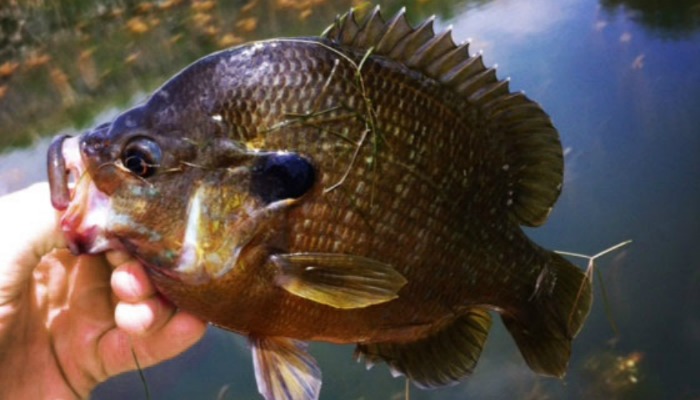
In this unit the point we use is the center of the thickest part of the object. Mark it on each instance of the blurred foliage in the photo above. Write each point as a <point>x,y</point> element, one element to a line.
<point>64,61</point>
<point>666,18</point>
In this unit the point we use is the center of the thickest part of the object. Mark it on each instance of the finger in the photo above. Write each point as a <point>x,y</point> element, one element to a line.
<point>143,317</point>
<point>130,282</point>
<point>118,257</point>
<point>178,334</point>
<point>87,286</point>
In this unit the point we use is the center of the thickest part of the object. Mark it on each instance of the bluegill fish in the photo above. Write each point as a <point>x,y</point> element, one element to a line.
<point>366,186</point>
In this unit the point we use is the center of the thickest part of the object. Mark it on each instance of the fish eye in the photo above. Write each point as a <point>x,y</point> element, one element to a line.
<point>142,157</point>
<point>282,176</point>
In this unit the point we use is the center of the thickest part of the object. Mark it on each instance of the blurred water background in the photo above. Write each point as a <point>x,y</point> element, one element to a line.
<point>620,78</point>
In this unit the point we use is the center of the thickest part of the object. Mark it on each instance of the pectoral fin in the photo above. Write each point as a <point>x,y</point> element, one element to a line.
<point>284,370</point>
<point>338,280</point>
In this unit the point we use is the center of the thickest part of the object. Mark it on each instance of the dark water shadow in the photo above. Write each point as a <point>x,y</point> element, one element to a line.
<point>673,19</point>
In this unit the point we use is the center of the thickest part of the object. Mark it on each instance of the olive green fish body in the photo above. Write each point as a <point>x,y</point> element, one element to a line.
<point>427,184</point>
<point>363,187</point>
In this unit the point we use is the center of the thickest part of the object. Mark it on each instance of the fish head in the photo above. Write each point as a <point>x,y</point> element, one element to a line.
<point>173,192</point>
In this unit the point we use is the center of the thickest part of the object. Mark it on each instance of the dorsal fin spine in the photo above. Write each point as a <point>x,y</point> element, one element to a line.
<point>348,27</point>
<point>463,71</point>
<point>434,48</point>
<point>397,28</point>
<point>477,81</point>
<point>448,61</point>
<point>492,92</point>
<point>411,42</point>
<point>371,30</point>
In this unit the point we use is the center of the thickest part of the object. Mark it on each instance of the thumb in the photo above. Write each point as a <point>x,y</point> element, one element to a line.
<point>29,230</point>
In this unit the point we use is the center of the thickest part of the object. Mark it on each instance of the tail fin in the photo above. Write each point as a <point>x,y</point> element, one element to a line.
<point>556,312</point>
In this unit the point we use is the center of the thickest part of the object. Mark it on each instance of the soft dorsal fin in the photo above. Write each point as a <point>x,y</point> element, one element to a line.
<point>533,150</point>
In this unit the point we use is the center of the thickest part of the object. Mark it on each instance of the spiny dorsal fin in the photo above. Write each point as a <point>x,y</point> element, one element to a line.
<point>535,162</point>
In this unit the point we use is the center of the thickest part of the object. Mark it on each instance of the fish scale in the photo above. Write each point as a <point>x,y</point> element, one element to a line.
<point>394,118</point>
<point>367,186</point>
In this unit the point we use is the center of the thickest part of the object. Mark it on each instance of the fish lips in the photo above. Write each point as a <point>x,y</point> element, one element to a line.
<point>84,208</point>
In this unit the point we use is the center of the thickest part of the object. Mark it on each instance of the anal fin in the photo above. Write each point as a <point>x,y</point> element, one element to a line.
<point>284,370</point>
<point>443,358</point>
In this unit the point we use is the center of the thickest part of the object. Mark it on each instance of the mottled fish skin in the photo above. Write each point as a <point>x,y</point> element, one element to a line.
<point>424,162</point>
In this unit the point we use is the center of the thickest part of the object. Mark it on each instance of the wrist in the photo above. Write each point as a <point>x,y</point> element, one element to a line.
<point>30,370</point>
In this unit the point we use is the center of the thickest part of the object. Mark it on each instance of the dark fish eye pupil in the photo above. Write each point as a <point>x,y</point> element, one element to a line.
<point>137,164</point>
<point>142,157</point>
<point>282,176</point>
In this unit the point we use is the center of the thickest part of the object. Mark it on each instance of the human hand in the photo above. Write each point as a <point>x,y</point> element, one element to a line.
<point>69,322</point>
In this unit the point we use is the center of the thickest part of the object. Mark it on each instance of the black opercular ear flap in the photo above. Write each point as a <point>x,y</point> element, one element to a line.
<point>278,176</point>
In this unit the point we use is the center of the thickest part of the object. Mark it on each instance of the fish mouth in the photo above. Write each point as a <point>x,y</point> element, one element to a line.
<point>58,177</point>
<point>83,206</point>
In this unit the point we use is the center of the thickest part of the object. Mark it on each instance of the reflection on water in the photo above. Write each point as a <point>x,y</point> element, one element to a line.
<point>676,18</point>
<point>623,95</point>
